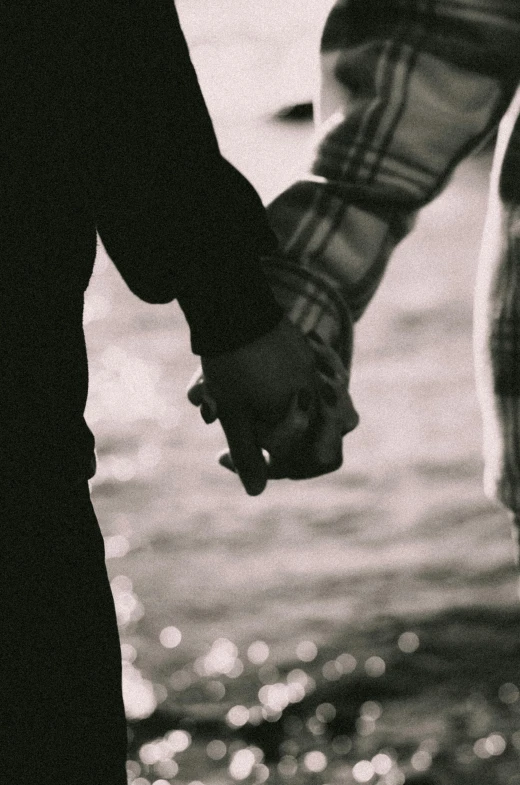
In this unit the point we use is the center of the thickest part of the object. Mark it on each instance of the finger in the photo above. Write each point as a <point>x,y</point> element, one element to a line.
<point>287,436</point>
<point>245,452</point>
<point>276,469</point>
<point>224,460</point>
<point>199,395</point>
<point>320,448</point>
<point>305,468</point>
<point>327,440</point>
<point>208,414</point>
<point>328,446</point>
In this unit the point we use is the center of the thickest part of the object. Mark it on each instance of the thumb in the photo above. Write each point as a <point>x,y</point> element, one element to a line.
<point>287,435</point>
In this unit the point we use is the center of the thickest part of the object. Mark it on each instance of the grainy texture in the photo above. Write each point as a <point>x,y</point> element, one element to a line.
<point>349,561</point>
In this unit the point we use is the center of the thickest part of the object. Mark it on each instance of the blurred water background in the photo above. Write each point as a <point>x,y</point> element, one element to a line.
<point>357,628</point>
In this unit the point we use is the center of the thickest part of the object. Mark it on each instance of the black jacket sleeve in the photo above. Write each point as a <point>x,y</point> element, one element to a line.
<point>175,217</point>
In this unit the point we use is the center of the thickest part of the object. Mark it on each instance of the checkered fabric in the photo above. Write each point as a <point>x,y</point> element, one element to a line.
<point>409,89</point>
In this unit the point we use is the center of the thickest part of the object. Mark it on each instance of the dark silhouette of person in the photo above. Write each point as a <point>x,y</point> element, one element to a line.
<point>103,129</point>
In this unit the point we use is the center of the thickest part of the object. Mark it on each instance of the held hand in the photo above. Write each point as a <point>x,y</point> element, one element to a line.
<point>319,449</point>
<point>252,389</point>
<point>302,444</point>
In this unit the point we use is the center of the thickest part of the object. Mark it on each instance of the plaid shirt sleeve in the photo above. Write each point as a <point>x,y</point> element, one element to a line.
<point>409,88</point>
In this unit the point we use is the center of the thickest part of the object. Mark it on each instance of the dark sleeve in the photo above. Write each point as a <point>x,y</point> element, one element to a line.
<point>175,217</point>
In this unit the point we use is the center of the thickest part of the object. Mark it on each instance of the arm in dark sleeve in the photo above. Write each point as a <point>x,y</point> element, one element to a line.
<point>175,217</point>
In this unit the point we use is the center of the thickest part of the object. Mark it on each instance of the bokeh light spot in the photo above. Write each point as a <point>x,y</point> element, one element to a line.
<point>508,693</point>
<point>495,744</point>
<point>288,766</point>
<point>216,750</point>
<point>242,764</point>
<point>270,715</point>
<point>382,763</point>
<point>316,727</point>
<point>363,771</point>
<point>166,750</point>
<point>138,693</point>
<point>133,769</point>
<point>395,777</point>
<point>365,726</point>
<point>290,747</point>
<point>430,744</point>
<point>170,637</point>
<point>375,667</point>
<point>128,652</point>
<point>167,769</point>
<point>347,661</point>
<point>298,676</point>
<point>274,696</point>
<point>306,651</point>
<point>258,652</point>
<point>199,666</point>
<point>480,749</point>
<point>237,716</point>
<point>150,753</point>
<point>371,710</point>
<point>121,583</point>
<point>128,608</point>
<point>179,739</point>
<point>326,712</point>
<point>215,690</point>
<point>408,642</point>
<point>421,760</point>
<point>237,670</point>
<point>315,761</point>
<point>295,692</point>
<point>160,692</point>
<point>221,658</point>
<point>258,753</point>
<point>332,670</point>
<point>261,772</point>
<point>116,546</point>
<point>256,715</point>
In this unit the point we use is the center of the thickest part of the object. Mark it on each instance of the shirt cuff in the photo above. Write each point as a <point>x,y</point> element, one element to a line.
<point>233,306</point>
<point>312,301</point>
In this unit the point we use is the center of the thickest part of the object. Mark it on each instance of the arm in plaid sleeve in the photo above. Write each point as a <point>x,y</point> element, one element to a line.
<point>409,88</point>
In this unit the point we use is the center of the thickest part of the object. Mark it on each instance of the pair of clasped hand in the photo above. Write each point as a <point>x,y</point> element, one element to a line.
<point>283,405</point>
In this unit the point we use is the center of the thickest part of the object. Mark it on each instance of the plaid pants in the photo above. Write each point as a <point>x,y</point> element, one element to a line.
<point>409,89</point>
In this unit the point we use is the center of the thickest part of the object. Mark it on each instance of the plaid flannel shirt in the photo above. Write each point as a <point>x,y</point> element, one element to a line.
<point>410,88</point>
